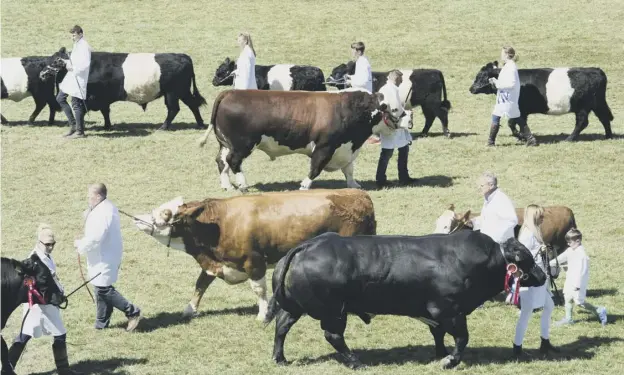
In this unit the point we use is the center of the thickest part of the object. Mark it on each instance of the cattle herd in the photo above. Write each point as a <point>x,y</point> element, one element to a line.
<point>329,260</point>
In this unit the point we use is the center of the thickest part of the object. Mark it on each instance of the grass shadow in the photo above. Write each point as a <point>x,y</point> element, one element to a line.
<point>169,319</point>
<point>583,348</point>
<point>125,129</point>
<point>44,124</point>
<point>101,367</point>
<point>602,292</point>
<point>583,137</point>
<point>417,135</point>
<point>431,181</point>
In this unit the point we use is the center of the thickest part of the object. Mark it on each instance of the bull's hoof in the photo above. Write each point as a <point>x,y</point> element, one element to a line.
<point>354,363</point>
<point>304,188</point>
<point>280,361</point>
<point>200,126</point>
<point>164,127</point>
<point>570,139</point>
<point>108,127</point>
<point>189,312</point>
<point>448,362</point>
<point>447,135</point>
<point>243,189</point>
<point>354,185</point>
<point>441,354</point>
<point>31,122</point>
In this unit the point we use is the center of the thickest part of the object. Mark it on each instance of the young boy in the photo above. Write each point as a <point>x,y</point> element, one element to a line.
<point>577,277</point>
<point>400,138</point>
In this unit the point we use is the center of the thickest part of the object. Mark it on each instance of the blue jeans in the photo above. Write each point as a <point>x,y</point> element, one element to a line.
<point>107,298</point>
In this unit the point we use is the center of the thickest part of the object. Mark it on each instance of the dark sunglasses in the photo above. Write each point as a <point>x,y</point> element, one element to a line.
<point>48,244</point>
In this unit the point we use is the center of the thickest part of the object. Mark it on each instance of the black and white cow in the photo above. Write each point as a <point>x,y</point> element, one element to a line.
<point>20,79</point>
<point>140,78</point>
<point>425,88</point>
<point>284,77</point>
<point>556,91</point>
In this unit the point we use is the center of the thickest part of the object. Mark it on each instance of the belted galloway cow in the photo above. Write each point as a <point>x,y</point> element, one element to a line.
<point>328,127</point>
<point>425,88</point>
<point>283,77</point>
<point>137,77</point>
<point>237,238</point>
<point>17,277</point>
<point>438,279</point>
<point>555,91</point>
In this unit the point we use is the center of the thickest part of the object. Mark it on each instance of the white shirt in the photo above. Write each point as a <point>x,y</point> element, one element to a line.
<point>577,275</point>
<point>498,217</point>
<point>400,137</point>
<point>508,86</point>
<point>245,78</point>
<point>363,77</point>
<point>102,243</point>
<point>75,81</point>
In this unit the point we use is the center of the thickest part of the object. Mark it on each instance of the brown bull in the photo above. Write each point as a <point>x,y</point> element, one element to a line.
<point>237,238</point>
<point>558,220</point>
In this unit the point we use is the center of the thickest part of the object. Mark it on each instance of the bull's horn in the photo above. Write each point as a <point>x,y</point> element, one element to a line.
<point>204,139</point>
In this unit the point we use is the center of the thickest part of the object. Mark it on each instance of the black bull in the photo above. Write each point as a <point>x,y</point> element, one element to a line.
<point>438,279</point>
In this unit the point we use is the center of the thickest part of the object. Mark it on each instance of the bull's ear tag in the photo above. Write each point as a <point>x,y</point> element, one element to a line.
<point>512,268</point>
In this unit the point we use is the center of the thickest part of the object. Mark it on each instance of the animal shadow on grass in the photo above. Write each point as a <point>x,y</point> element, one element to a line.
<point>424,354</point>
<point>417,135</point>
<point>601,292</point>
<point>433,181</point>
<point>169,319</point>
<point>44,124</point>
<point>101,367</point>
<point>583,137</point>
<point>136,129</point>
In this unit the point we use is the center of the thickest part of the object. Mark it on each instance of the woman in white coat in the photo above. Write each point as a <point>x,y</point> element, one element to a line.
<point>75,83</point>
<point>531,237</point>
<point>245,74</point>
<point>44,319</point>
<point>507,96</point>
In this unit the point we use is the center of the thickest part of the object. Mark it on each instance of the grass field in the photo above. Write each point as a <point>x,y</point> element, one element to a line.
<point>44,177</point>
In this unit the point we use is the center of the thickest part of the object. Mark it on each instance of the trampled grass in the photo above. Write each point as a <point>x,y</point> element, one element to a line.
<point>44,177</point>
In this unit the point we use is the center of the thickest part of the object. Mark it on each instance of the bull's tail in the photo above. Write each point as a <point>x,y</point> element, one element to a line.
<point>213,118</point>
<point>274,306</point>
<point>602,106</point>
<point>446,105</point>
<point>199,100</point>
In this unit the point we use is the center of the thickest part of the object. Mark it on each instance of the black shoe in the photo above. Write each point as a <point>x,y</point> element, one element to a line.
<point>493,132</point>
<point>59,349</point>
<point>546,347</point>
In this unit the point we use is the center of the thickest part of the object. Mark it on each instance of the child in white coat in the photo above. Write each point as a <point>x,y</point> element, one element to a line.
<point>245,75</point>
<point>507,97</point>
<point>577,278</point>
<point>531,237</point>
<point>44,319</point>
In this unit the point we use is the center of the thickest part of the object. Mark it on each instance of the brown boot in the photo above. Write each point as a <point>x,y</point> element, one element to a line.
<point>493,132</point>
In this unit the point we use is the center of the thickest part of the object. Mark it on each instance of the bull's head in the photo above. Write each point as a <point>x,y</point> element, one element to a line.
<point>530,273</point>
<point>223,76</point>
<point>159,223</point>
<point>45,284</point>
<point>481,84</point>
<point>394,117</point>
<point>337,76</point>
<point>55,66</point>
<point>450,221</point>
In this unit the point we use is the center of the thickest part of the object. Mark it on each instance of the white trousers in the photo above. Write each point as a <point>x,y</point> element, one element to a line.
<point>527,301</point>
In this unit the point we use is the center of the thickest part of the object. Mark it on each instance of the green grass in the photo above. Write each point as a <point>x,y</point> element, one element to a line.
<point>44,177</point>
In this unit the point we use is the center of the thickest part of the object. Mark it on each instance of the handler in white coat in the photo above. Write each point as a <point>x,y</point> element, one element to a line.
<point>103,246</point>
<point>245,74</point>
<point>44,319</point>
<point>75,83</point>
<point>507,96</point>
<point>498,216</point>
<point>399,138</point>
<point>532,297</point>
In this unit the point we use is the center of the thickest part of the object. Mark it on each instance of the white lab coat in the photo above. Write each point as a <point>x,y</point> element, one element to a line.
<point>75,81</point>
<point>498,217</point>
<point>508,86</point>
<point>44,319</point>
<point>399,137</point>
<point>363,77</point>
<point>538,293</point>
<point>245,76</point>
<point>102,243</point>
<point>577,275</point>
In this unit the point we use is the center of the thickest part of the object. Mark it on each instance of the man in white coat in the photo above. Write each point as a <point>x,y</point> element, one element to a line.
<point>44,319</point>
<point>507,96</point>
<point>245,74</point>
<point>102,244</point>
<point>498,216</point>
<point>75,83</point>
<point>399,138</point>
